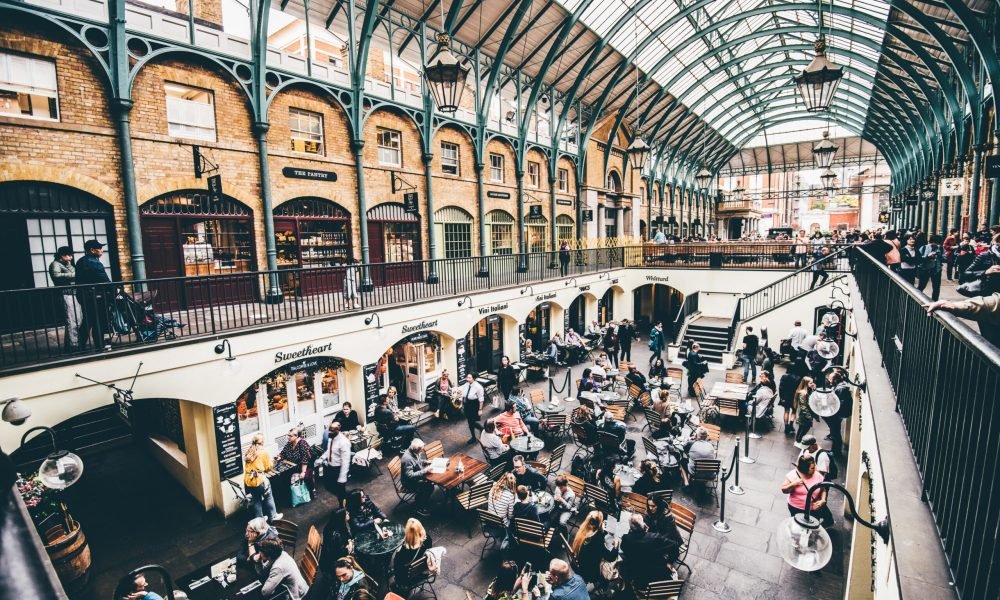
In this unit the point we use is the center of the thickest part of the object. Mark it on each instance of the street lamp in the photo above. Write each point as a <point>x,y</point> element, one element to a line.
<point>828,177</point>
<point>818,82</point>
<point>703,178</point>
<point>805,545</point>
<point>638,153</point>
<point>446,76</point>
<point>824,151</point>
<point>231,366</point>
<point>61,468</point>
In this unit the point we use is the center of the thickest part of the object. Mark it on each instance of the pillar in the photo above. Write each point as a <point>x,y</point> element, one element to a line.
<point>273,294</point>
<point>957,218</point>
<point>432,265</point>
<point>479,166</point>
<point>511,341</point>
<point>553,247</point>
<point>358,147</point>
<point>977,164</point>
<point>122,109</point>
<point>522,261</point>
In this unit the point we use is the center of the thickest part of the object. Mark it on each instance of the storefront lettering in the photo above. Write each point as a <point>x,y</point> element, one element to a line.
<point>307,351</point>
<point>656,278</point>
<point>541,297</point>
<point>420,326</point>
<point>584,288</point>
<point>492,309</point>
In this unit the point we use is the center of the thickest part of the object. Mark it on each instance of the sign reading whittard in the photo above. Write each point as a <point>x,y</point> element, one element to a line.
<point>485,310</point>
<point>303,352</point>
<point>656,278</point>
<point>420,326</point>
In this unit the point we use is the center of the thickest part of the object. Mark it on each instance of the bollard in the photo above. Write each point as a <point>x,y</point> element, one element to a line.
<point>752,422</point>
<point>746,458</point>
<point>735,488</point>
<point>721,524</point>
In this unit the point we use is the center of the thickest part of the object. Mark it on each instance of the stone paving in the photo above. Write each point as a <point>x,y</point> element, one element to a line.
<point>134,513</point>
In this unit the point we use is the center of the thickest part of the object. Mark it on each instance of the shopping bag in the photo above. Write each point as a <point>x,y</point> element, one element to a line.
<point>300,493</point>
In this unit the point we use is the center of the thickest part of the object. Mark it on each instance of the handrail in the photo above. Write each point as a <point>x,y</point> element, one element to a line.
<point>808,268</point>
<point>688,308</point>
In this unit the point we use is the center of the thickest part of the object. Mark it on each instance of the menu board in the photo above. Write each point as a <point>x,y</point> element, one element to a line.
<point>566,321</point>
<point>371,388</point>
<point>227,440</point>
<point>520,336</point>
<point>460,358</point>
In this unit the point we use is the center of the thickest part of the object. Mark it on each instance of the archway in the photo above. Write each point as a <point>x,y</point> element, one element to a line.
<point>655,302</point>
<point>413,365</point>
<point>394,237</point>
<point>312,233</point>
<point>453,226</point>
<point>483,346</point>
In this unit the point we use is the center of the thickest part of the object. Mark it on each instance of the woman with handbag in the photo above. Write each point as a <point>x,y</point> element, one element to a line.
<point>595,562</point>
<point>298,452</point>
<point>796,486</point>
<point>257,461</point>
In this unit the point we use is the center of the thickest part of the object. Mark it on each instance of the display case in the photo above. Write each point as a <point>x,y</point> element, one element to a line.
<point>312,243</point>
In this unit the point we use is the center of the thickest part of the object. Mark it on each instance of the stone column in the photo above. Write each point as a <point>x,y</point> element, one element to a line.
<point>358,147</point>
<point>122,109</point>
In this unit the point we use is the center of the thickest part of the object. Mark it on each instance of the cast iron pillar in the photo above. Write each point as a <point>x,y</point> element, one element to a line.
<point>432,270</point>
<point>484,270</point>
<point>122,109</point>
<point>273,294</point>
<point>358,147</point>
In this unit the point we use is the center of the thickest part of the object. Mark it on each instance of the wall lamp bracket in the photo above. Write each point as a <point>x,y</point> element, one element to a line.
<point>570,282</point>
<point>376,318</point>
<point>525,290</point>
<point>463,301</point>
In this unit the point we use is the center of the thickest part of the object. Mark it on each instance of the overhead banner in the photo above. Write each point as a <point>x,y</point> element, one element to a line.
<point>953,186</point>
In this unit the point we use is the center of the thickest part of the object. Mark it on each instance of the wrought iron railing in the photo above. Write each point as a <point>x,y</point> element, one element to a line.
<point>718,255</point>
<point>945,378</point>
<point>688,308</point>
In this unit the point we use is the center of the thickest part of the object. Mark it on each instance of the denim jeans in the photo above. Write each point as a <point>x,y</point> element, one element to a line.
<point>262,498</point>
<point>749,364</point>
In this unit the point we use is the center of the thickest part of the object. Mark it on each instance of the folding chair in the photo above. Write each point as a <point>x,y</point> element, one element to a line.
<point>491,474</point>
<point>532,534</point>
<point>714,433</point>
<point>653,419</point>
<point>288,533</point>
<point>598,496</point>
<point>652,452</point>
<point>308,565</point>
<point>434,450</point>
<point>395,472</point>
<point>660,590</point>
<point>684,517</point>
<point>677,375</point>
<point>478,496</point>
<point>494,530</point>
<point>634,502</point>
<point>314,541</point>
<point>555,427</point>
<point>706,472</point>
<point>585,446</point>
<point>420,578</point>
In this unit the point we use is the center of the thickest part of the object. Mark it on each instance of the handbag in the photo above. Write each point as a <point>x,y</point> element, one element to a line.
<point>609,570</point>
<point>300,493</point>
<point>970,289</point>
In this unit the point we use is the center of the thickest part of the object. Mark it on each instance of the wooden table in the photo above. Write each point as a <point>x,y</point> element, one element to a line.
<point>730,391</point>
<point>213,590</point>
<point>450,480</point>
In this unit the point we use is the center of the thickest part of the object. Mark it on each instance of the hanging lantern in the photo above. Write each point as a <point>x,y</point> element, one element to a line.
<point>446,76</point>
<point>638,153</point>
<point>703,178</point>
<point>828,178</point>
<point>818,82</point>
<point>824,151</point>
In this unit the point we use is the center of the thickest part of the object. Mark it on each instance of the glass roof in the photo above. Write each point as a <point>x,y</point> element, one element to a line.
<point>716,69</point>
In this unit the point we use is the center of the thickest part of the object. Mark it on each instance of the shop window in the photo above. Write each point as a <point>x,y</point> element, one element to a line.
<point>330,388</point>
<point>390,145</point>
<point>400,240</point>
<point>28,87</point>
<point>246,408</point>
<point>564,229</point>
<point>496,167</point>
<point>307,131</point>
<point>457,240</point>
<point>534,174</point>
<point>537,237</point>
<point>501,232</point>
<point>190,112</point>
<point>45,236</point>
<point>449,158</point>
<point>563,179</point>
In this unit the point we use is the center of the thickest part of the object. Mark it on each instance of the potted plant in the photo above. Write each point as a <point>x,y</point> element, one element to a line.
<point>63,538</point>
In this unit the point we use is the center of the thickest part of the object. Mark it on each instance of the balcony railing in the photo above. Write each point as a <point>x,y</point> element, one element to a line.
<point>945,378</point>
<point>128,315</point>
<point>737,205</point>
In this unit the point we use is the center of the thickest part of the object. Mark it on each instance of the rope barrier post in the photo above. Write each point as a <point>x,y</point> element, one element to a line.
<point>746,458</point>
<point>753,423</point>
<point>735,488</point>
<point>721,524</point>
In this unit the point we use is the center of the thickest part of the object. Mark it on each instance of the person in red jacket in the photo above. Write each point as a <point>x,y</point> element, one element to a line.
<point>949,251</point>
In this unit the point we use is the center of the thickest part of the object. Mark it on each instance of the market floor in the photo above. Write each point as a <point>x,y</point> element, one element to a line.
<point>134,513</point>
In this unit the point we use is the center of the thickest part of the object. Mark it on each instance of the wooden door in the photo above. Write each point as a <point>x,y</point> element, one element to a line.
<point>161,245</point>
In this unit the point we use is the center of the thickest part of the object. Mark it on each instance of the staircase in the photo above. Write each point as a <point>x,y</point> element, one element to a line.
<point>712,334</point>
<point>86,434</point>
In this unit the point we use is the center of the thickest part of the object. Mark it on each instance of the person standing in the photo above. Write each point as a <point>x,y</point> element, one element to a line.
<point>910,260</point>
<point>611,343</point>
<point>949,251</point>
<point>892,257</point>
<point>819,267</point>
<point>90,272</point>
<point>338,460</point>
<point>965,253</point>
<point>256,463</point>
<point>930,267</point>
<point>351,285</point>
<point>696,367</point>
<point>801,249</point>
<point>473,395</point>
<point>803,412</point>
<point>795,338</point>
<point>63,274</point>
<point>506,377</point>
<point>751,345</point>
<point>298,452</point>
<point>797,483</point>
<point>563,258</point>
<point>656,342</point>
<point>626,333</point>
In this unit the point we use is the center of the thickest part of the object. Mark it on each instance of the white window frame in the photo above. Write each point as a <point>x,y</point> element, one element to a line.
<point>450,162</point>
<point>534,174</point>
<point>390,143</point>
<point>188,118</point>
<point>308,139</point>
<point>563,179</point>
<point>496,167</point>
<point>26,78</point>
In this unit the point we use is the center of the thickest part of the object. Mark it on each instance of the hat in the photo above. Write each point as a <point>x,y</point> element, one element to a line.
<point>808,440</point>
<point>64,251</point>
<point>91,244</point>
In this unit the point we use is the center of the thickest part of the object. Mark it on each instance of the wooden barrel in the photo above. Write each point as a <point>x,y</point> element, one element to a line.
<point>70,556</point>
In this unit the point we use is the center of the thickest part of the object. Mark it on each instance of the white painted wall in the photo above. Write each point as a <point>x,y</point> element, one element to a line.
<point>718,304</point>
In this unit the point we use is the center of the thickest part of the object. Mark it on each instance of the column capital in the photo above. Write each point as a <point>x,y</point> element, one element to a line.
<point>260,128</point>
<point>428,158</point>
<point>357,146</point>
<point>122,106</point>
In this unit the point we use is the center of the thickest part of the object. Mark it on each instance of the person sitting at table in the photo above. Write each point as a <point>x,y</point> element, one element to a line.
<point>140,590</point>
<point>649,480</point>
<point>502,586</point>
<point>524,408</point>
<point>257,531</point>
<point>337,542</point>
<point>761,396</point>
<point>389,425</point>
<point>510,423</point>
<point>661,521</point>
<point>643,553</point>
<point>634,377</point>
<point>697,448</point>
<point>584,417</point>
<point>416,543</point>
<point>591,548</point>
<point>494,449</point>
<point>552,353</point>
<point>662,403</point>
<point>441,399</point>
<point>362,513</point>
<point>588,383</point>
<point>593,330</point>
<point>566,585</point>
<point>573,338</point>
<point>502,497</point>
<point>527,475</point>
<point>392,397</point>
<point>281,570</point>
<point>347,417</point>
<point>524,507</point>
<point>658,370</point>
<point>565,501</point>
<point>606,478</point>
<point>298,452</point>
<point>415,467</point>
<point>598,371</point>
<point>557,339</point>
<point>350,581</point>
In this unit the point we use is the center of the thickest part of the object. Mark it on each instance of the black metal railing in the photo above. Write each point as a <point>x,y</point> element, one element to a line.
<point>688,308</point>
<point>25,568</point>
<point>793,285</point>
<point>720,255</point>
<point>945,377</point>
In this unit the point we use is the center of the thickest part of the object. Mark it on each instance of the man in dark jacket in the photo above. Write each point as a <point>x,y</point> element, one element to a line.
<point>93,299</point>
<point>528,476</point>
<point>626,333</point>
<point>644,554</point>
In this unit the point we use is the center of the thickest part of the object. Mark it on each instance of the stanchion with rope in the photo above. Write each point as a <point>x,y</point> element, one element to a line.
<point>752,422</point>
<point>721,524</point>
<point>567,386</point>
<point>746,458</point>
<point>735,489</point>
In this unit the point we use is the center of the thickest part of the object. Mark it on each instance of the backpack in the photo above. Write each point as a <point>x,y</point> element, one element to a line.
<point>834,469</point>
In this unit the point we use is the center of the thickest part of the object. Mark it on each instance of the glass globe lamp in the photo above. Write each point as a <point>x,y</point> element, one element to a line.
<point>60,470</point>
<point>803,543</point>
<point>830,319</point>
<point>824,402</point>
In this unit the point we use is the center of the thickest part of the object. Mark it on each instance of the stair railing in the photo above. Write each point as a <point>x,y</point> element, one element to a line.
<point>688,308</point>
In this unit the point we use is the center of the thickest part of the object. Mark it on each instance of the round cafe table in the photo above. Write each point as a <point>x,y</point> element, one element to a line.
<point>375,551</point>
<point>528,445</point>
<point>548,408</point>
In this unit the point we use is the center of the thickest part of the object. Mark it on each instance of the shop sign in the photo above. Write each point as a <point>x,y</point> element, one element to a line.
<point>584,288</point>
<point>371,386</point>
<point>123,400</point>
<point>911,200</point>
<point>215,188</point>
<point>420,326</point>
<point>992,167</point>
<point>498,195</point>
<point>485,310</point>
<point>535,211</point>
<point>303,352</point>
<point>953,186</point>
<point>420,338</point>
<point>297,173</point>
<point>562,202</point>
<point>314,364</point>
<point>227,440</point>
<point>654,278</point>
<point>460,358</point>
<point>541,297</point>
<point>614,281</point>
<point>410,203</point>
<point>883,217</point>
<point>493,318</point>
<point>588,216</point>
<point>544,306</point>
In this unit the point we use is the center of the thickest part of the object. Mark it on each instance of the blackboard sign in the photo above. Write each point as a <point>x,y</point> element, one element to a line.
<point>297,173</point>
<point>215,188</point>
<point>498,195</point>
<point>460,358</point>
<point>227,440</point>
<point>371,387</point>
<point>588,216</point>
<point>535,211</point>
<point>520,337</point>
<point>410,203</point>
<point>993,167</point>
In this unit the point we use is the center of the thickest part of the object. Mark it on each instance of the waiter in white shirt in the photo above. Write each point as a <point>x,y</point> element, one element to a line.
<point>338,461</point>
<point>472,404</point>
<point>795,338</point>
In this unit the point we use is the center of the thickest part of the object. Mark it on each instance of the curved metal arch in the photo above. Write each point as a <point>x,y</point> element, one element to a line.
<point>513,143</point>
<point>501,54</point>
<point>372,105</point>
<point>245,85</point>
<point>291,81</point>
<point>985,45</point>
<point>439,123</point>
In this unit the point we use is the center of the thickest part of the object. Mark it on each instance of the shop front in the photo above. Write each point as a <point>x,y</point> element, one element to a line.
<point>606,306</point>
<point>394,238</point>
<point>453,229</point>
<point>484,345</point>
<point>538,327</point>
<point>188,234</point>
<point>575,316</point>
<point>312,233</point>
<point>411,365</point>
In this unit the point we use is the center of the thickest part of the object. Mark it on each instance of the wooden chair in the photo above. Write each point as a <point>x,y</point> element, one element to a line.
<point>478,496</point>
<point>616,412</point>
<point>532,533</point>
<point>660,590</point>
<point>734,377</point>
<point>728,407</point>
<point>553,464</point>
<point>585,446</point>
<point>537,465</point>
<point>666,495</point>
<point>684,517</point>
<point>677,374</point>
<point>420,578</point>
<point>706,472</point>
<point>714,433</point>
<point>634,392</point>
<point>396,473</point>
<point>555,427</point>
<point>652,452</point>
<point>634,502</point>
<point>434,450</point>
<point>491,474</point>
<point>610,444</point>
<point>536,396</point>
<point>288,532</point>
<point>645,400</point>
<point>314,541</point>
<point>308,565</point>
<point>653,419</point>
<point>579,487</point>
<point>599,497</point>
<point>624,405</point>
<point>494,530</point>
<point>570,555</point>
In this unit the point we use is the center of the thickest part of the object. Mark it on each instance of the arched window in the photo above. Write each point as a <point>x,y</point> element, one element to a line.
<point>537,230</point>
<point>500,232</point>
<point>564,229</point>
<point>614,182</point>
<point>454,230</point>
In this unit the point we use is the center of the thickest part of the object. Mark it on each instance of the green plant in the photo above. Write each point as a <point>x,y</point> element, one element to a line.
<point>40,500</point>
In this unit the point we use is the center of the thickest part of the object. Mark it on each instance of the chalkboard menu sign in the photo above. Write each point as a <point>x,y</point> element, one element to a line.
<point>371,387</point>
<point>227,440</point>
<point>460,358</point>
<point>410,203</point>
<point>565,322</point>
<point>520,336</point>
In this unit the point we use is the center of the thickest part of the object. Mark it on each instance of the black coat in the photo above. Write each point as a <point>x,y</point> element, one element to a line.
<point>625,336</point>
